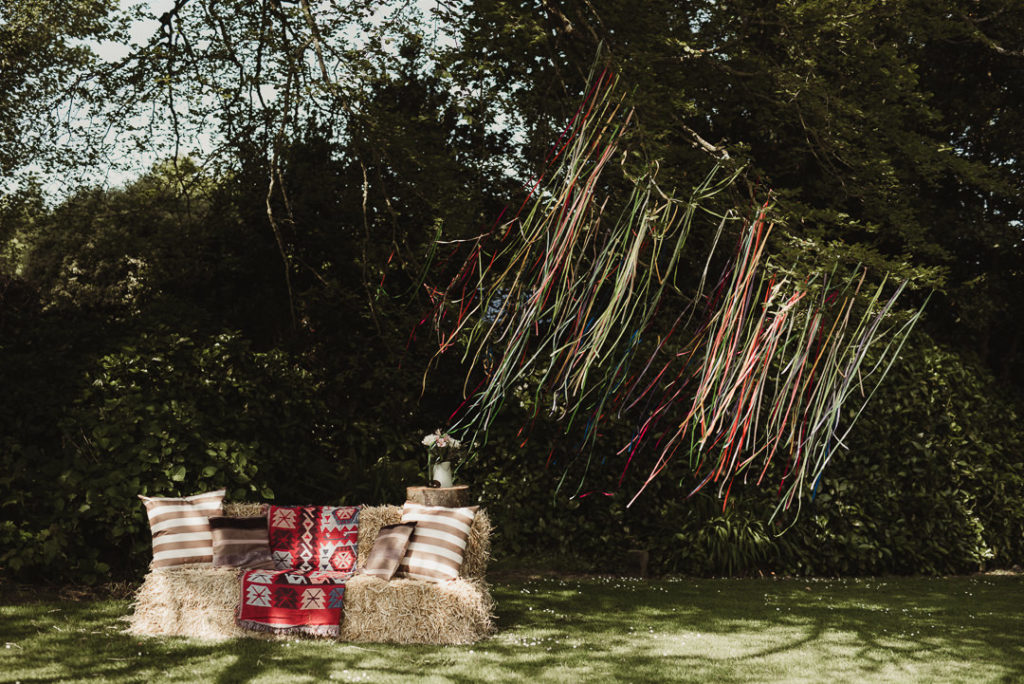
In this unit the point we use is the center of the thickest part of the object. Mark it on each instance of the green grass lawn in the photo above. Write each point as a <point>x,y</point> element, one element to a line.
<point>966,629</point>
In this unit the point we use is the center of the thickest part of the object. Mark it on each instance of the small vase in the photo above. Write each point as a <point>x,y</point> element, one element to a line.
<point>442,473</point>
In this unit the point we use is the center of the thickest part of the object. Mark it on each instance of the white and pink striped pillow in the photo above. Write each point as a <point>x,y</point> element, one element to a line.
<point>181,528</point>
<point>438,543</point>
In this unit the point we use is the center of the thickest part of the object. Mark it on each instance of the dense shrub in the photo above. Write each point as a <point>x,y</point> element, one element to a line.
<point>932,482</point>
<point>163,414</point>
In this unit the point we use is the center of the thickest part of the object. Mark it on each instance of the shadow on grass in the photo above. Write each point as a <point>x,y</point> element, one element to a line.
<point>55,640</point>
<point>960,628</point>
<point>877,626</point>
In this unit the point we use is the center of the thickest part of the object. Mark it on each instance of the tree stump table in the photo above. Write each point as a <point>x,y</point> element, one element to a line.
<point>450,497</point>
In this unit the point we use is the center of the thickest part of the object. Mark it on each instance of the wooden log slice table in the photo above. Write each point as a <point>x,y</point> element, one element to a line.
<point>451,497</point>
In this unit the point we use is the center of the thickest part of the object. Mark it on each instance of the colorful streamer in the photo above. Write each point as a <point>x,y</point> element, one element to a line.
<point>563,297</point>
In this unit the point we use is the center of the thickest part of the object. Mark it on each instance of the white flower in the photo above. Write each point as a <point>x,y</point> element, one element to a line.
<point>441,440</point>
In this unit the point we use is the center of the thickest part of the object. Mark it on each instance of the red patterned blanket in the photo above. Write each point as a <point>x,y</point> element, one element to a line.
<point>314,549</point>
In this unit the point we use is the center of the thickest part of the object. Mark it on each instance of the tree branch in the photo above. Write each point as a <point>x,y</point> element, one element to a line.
<point>702,144</point>
<point>986,40</point>
<point>366,241</point>
<point>315,34</point>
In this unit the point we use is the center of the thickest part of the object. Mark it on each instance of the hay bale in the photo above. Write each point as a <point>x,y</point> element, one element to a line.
<point>371,519</point>
<point>192,602</point>
<point>478,549</point>
<point>200,602</point>
<point>245,510</point>
<point>405,611</point>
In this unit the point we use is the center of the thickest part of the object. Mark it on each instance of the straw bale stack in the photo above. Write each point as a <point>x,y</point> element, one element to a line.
<point>201,602</point>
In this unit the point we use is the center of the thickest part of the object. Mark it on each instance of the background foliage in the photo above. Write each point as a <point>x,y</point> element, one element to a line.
<point>245,309</point>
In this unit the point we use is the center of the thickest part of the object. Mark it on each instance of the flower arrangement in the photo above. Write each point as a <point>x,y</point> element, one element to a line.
<point>440,440</point>
<point>438,467</point>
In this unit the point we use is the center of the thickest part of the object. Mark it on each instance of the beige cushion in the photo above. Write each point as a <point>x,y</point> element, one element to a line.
<point>388,550</point>
<point>181,528</point>
<point>241,543</point>
<point>438,543</point>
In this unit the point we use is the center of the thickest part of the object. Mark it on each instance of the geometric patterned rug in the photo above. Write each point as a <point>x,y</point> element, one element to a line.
<point>314,550</point>
<point>289,601</point>
<point>308,538</point>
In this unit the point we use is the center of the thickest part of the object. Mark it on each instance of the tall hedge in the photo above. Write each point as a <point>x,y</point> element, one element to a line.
<point>932,483</point>
<point>160,413</point>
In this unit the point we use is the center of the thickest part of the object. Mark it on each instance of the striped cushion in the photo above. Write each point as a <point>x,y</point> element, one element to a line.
<point>438,543</point>
<point>181,528</point>
<point>388,550</point>
<point>241,543</point>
